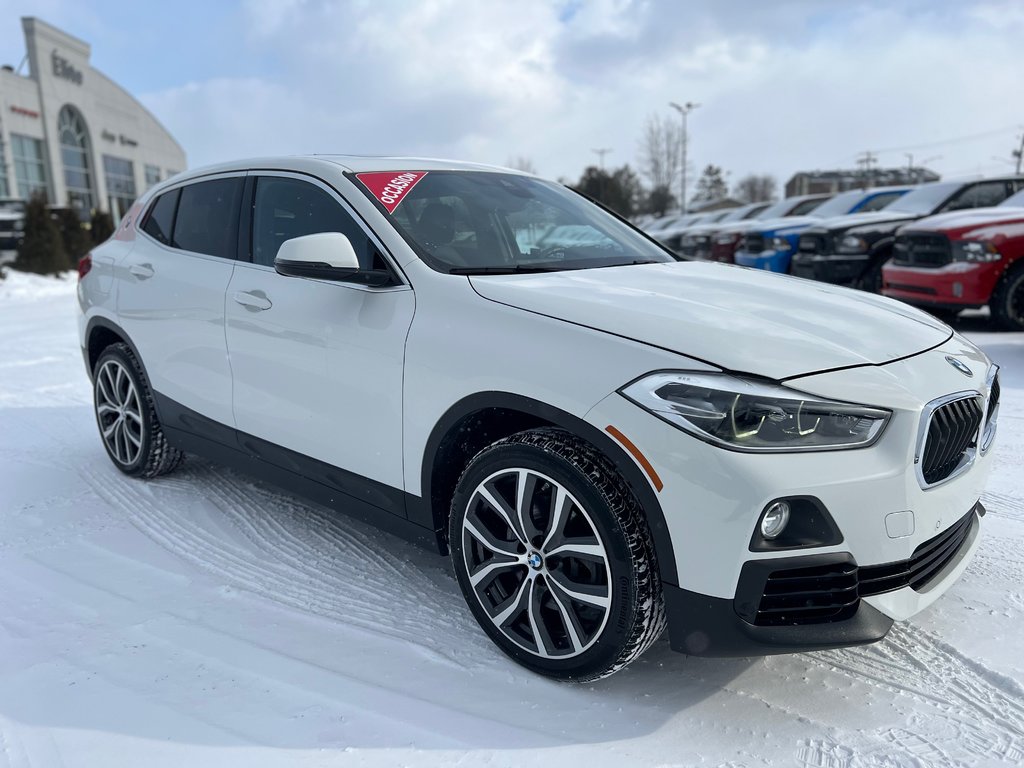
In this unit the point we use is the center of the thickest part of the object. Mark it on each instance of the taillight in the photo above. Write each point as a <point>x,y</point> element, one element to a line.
<point>84,265</point>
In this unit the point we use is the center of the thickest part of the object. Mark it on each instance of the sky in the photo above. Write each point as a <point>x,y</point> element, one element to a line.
<point>783,86</point>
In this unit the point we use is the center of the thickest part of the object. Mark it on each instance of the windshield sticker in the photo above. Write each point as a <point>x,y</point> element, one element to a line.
<point>390,187</point>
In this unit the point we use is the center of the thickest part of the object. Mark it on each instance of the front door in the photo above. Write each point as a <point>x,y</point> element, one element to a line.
<point>316,365</point>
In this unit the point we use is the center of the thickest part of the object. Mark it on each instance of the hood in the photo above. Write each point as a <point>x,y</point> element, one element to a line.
<point>742,320</point>
<point>785,222</point>
<point>850,220</point>
<point>969,219</point>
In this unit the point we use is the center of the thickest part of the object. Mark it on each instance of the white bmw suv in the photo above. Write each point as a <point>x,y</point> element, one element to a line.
<point>604,440</point>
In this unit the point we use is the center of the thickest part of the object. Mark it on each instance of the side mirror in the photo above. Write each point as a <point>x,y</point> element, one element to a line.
<point>324,256</point>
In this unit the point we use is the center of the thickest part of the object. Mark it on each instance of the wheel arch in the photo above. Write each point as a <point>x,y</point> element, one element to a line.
<point>100,333</point>
<point>489,416</point>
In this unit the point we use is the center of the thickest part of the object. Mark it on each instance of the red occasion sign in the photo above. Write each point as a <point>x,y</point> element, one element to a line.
<point>390,187</point>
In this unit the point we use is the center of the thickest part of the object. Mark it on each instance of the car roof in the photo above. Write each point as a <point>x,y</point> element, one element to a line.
<point>354,163</point>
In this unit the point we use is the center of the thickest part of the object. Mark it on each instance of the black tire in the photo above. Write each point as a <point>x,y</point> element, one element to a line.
<point>1007,302</point>
<point>600,508</point>
<point>129,428</point>
<point>871,279</point>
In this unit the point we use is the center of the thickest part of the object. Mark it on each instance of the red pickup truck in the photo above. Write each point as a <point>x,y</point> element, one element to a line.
<point>963,260</point>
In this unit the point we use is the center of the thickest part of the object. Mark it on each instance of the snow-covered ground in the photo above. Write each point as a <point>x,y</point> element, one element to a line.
<point>205,619</point>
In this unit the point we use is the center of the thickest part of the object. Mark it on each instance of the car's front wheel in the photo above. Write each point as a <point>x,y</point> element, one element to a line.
<point>1007,303</point>
<point>554,556</point>
<point>126,417</point>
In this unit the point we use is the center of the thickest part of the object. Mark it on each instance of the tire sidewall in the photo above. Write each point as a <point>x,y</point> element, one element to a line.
<point>622,576</point>
<point>1011,284</point>
<point>123,355</point>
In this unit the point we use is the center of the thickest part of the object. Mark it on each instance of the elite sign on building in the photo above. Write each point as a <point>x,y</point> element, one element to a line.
<point>390,187</point>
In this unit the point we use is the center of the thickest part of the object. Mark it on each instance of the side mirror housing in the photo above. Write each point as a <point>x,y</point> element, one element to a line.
<point>324,256</point>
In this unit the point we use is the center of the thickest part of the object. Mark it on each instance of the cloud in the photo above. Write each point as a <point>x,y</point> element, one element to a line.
<point>783,86</point>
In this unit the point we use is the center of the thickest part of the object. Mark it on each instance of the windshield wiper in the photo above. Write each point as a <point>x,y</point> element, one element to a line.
<point>510,270</point>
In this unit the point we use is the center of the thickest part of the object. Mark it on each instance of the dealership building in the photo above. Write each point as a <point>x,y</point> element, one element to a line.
<point>70,132</point>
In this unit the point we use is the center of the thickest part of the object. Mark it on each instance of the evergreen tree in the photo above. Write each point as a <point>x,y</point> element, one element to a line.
<point>76,240</point>
<point>711,185</point>
<point>102,226</point>
<point>42,249</point>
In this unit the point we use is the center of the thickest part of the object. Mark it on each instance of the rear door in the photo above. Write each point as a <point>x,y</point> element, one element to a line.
<point>317,365</point>
<point>171,297</point>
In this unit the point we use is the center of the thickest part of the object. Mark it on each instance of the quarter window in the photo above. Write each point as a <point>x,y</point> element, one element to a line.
<point>161,217</point>
<point>207,220</point>
<point>878,202</point>
<point>288,208</point>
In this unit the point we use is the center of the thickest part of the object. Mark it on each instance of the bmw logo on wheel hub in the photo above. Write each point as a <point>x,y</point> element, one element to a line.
<point>535,561</point>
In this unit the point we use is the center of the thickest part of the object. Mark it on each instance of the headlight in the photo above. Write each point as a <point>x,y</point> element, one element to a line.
<point>853,244</point>
<point>747,415</point>
<point>973,250</point>
<point>781,244</point>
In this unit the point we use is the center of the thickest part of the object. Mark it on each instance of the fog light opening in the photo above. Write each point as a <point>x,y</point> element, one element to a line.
<point>775,519</point>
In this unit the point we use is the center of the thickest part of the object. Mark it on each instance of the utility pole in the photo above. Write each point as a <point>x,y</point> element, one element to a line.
<point>683,110</point>
<point>866,160</point>
<point>910,166</point>
<point>601,153</point>
<point>1018,153</point>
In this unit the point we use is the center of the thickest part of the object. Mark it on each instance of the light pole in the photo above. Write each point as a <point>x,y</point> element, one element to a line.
<point>683,110</point>
<point>601,153</point>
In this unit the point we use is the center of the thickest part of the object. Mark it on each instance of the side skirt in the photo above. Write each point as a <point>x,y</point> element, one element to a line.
<point>367,500</point>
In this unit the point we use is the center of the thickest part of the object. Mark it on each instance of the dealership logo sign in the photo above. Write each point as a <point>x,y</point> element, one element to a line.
<point>390,188</point>
<point>65,69</point>
<point>959,366</point>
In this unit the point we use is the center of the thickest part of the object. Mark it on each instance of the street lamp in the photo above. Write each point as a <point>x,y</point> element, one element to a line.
<point>683,111</point>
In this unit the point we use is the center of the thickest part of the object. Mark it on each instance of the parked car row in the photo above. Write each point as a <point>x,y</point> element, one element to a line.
<point>918,244</point>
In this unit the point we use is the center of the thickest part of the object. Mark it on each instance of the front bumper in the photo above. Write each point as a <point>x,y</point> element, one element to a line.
<point>713,498</point>
<point>960,285</point>
<point>835,268</point>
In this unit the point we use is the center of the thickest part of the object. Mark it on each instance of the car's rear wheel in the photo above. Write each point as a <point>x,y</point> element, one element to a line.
<point>554,556</point>
<point>1007,302</point>
<point>126,418</point>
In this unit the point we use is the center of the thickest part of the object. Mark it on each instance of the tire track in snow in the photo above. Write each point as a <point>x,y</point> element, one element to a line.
<point>984,708</point>
<point>298,556</point>
<point>1006,505</point>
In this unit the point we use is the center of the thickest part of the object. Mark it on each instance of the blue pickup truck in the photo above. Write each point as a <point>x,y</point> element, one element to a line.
<point>771,245</point>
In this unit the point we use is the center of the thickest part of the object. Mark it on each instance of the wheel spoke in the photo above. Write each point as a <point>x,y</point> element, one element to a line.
<point>541,635</point>
<point>122,393</point>
<point>568,620</point>
<point>105,385</point>
<point>489,540</point>
<point>596,595</point>
<point>560,507</point>
<point>485,571</point>
<point>514,605</point>
<point>104,408</point>
<point>109,430</point>
<point>503,509</point>
<point>119,447</point>
<point>136,441</point>
<point>570,549</point>
<point>526,485</point>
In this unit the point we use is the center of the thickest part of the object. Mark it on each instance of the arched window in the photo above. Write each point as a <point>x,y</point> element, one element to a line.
<point>75,153</point>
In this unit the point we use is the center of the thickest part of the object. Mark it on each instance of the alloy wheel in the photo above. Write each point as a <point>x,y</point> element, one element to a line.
<point>536,563</point>
<point>119,412</point>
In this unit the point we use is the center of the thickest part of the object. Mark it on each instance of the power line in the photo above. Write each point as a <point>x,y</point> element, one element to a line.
<point>954,140</point>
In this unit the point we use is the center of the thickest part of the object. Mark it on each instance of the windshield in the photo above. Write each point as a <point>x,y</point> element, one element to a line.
<point>472,221</point>
<point>840,204</point>
<point>926,198</point>
<point>789,207</point>
<point>1014,201</point>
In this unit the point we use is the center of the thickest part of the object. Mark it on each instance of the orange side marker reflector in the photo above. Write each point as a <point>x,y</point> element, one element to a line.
<point>640,458</point>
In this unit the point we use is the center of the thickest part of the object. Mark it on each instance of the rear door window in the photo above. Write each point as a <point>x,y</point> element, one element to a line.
<point>160,220</point>
<point>207,220</point>
<point>878,202</point>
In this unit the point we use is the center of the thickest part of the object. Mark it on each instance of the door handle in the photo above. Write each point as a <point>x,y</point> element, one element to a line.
<point>142,271</point>
<point>254,301</point>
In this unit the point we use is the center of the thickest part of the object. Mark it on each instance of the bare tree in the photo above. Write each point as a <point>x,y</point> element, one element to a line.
<point>755,188</point>
<point>521,163</point>
<point>661,149</point>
